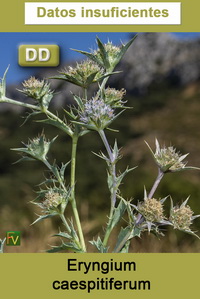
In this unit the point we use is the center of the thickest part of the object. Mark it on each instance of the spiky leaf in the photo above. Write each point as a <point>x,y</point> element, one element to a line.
<point>62,170</point>
<point>121,176</point>
<point>65,246</point>
<point>118,213</point>
<point>3,85</point>
<point>103,53</point>
<point>43,217</point>
<point>63,235</point>
<point>99,245</point>
<point>61,125</point>
<point>124,49</point>
<point>122,238</point>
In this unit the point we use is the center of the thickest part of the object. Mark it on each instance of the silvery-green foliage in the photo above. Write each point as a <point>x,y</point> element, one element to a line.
<point>95,115</point>
<point>99,245</point>
<point>3,86</point>
<point>83,74</point>
<point>36,148</point>
<point>107,55</point>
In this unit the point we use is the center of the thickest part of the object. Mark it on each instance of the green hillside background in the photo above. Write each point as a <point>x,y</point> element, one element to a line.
<point>162,77</point>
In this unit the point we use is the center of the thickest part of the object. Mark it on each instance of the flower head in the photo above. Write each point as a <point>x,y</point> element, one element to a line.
<point>107,56</point>
<point>112,53</point>
<point>150,213</point>
<point>168,159</point>
<point>151,209</point>
<point>38,90</point>
<point>52,200</point>
<point>37,148</point>
<point>96,114</point>
<point>83,74</point>
<point>114,97</point>
<point>35,88</point>
<point>181,217</point>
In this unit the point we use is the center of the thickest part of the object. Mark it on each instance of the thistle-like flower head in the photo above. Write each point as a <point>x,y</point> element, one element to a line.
<point>181,217</point>
<point>152,210</point>
<point>52,200</point>
<point>168,159</point>
<point>85,69</point>
<point>150,213</point>
<point>39,90</point>
<point>37,148</point>
<point>111,51</point>
<point>96,114</point>
<point>114,97</point>
<point>83,74</point>
<point>107,56</point>
<point>35,88</point>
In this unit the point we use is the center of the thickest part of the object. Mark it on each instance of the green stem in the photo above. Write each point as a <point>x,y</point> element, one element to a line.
<point>106,144</point>
<point>112,167</point>
<point>114,188</point>
<point>85,93</point>
<point>104,83</point>
<point>65,223</point>
<point>73,163</point>
<point>123,242</point>
<point>69,229</point>
<point>10,101</point>
<point>102,86</point>
<point>107,234</point>
<point>73,200</point>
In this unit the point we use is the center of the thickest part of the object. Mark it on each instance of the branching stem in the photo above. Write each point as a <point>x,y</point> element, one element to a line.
<point>73,200</point>
<point>65,223</point>
<point>156,183</point>
<point>22,104</point>
<point>112,169</point>
<point>122,243</point>
<point>85,93</point>
<point>73,163</point>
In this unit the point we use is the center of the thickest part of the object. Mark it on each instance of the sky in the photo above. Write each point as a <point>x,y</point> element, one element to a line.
<point>81,41</point>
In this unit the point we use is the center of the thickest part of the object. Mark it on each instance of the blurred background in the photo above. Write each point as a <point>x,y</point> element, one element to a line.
<point>161,74</point>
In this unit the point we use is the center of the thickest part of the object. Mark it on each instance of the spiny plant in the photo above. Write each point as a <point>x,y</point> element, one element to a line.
<point>96,114</point>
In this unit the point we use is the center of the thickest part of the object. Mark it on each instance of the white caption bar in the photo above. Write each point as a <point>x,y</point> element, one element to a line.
<point>101,13</point>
